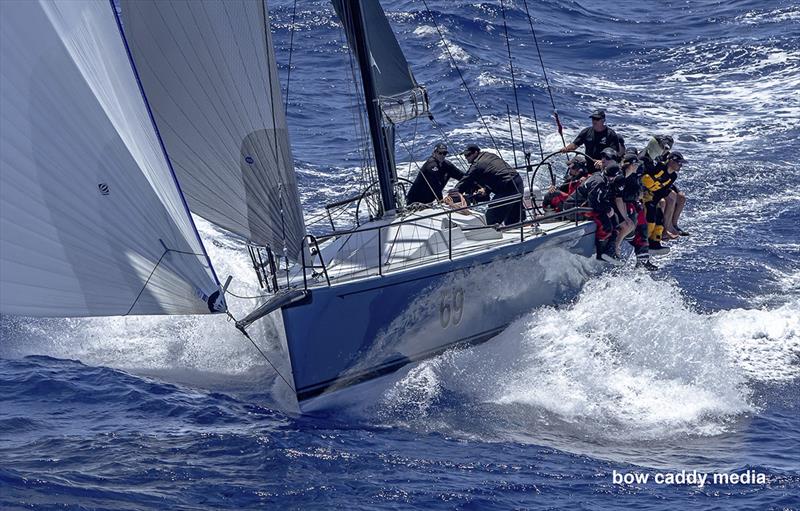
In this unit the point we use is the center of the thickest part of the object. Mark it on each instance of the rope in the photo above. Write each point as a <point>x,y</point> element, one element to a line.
<point>158,263</point>
<point>463,81</point>
<point>230,316</point>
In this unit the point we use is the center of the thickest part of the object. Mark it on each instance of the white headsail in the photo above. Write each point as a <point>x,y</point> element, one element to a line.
<point>209,73</point>
<point>92,220</point>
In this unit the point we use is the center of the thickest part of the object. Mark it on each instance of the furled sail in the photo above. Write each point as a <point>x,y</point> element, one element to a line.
<point>209,73</point>
<point>401,98</point>
<point>92,220</point>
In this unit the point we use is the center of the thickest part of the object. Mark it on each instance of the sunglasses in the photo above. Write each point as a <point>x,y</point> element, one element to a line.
<point>441,153</point>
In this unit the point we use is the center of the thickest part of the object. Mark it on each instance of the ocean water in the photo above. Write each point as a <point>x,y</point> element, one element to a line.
<point>694,369</point>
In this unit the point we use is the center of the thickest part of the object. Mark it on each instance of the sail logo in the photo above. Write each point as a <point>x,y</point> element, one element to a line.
<point>249,160</point>
<point>104,190</point>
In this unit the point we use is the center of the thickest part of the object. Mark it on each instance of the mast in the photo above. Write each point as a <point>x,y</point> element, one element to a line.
<point>353,14</point>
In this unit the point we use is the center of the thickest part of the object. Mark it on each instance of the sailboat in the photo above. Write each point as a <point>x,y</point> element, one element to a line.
<point>122,119</point>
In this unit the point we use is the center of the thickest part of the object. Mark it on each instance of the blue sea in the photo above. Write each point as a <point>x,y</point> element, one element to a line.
<point>693,370</point>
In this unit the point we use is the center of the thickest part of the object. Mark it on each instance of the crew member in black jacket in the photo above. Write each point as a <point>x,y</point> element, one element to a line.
<point>492,173</point>
<point>432,177</point>
<point>595,138</point>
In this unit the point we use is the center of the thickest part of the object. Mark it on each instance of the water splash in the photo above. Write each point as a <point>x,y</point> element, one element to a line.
<point>629,362</point>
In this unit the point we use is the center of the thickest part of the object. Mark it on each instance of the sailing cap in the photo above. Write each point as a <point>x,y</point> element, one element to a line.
<point>578,161</point>
<point>440,148</point>
<point>471,148</point>
<point>609,154</point>
<point>676,156</point>
<point>598,114</point>
<point>612,170</point>
<point>665,141</point>
<point>630,159</point>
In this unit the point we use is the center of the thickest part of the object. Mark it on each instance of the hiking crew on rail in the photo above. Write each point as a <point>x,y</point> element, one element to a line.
<point>632,193</point>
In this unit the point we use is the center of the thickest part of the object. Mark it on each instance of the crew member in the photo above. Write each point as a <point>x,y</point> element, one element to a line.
<point>576,173</point>
<point>656,151</point>
<point>675,201</point>
<point>493,174</point>
<point>627,189</point>
<point>658,184</point>
<point>596,190</point>
<point>433,177</point>
<point>595,138</point>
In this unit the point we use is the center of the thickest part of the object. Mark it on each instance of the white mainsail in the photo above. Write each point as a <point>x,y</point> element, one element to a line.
<point>92,222</point>
<point>209,72</point>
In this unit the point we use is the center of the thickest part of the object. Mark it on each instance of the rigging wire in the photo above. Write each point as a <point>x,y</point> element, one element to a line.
<point>544,73</point>
<point>419,169</point>
<point>536,123</point>
<point>291,48</point>
<point>436,125</point>
<point>511,132</point>
<point>461,75</point>
<point>244,332</point>
<point>513,82</point>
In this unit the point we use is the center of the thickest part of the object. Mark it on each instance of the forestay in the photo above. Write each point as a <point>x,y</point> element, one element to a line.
<point>400,96</point>
<point>92,221</point>
<point>209,72</point>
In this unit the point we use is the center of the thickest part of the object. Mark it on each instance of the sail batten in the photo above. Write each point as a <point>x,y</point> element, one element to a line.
<point>209,72</point>
<point>93,223</point>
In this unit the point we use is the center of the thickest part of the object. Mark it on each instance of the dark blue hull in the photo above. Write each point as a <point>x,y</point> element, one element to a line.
<point>347,334</point>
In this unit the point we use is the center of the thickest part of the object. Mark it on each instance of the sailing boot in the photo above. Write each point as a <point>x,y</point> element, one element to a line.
<point>656,248</point>
<point>643,262</point>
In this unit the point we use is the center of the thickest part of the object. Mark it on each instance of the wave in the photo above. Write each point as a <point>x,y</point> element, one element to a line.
<point>630,361</point>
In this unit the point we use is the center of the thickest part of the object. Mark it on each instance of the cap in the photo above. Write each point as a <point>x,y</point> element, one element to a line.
<point>440,148</point>
<point>676,156</point>
<point>665,141</point>
<point>598,114</point>
<point>578,161</point>
<point>631,150</point>
<point>471,148</point>
<point>609,153</point>
<point>629,159</point>
<point>612,170</point>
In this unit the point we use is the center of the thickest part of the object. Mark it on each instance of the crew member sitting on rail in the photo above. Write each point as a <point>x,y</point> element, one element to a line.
<point>658,184</point>
<point>609,157</point>
<point>432,177</point>
<point>596,190</point>
<point>676,200</point>
<point>656,151</point>
<point>596,138</point>
<point>627,189</point>
<point>492,173</point>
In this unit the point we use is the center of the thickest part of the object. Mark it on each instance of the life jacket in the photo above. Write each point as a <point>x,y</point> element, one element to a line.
<point>657,182</point>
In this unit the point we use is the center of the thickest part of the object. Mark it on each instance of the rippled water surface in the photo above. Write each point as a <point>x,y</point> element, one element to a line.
<point>694,367</point>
